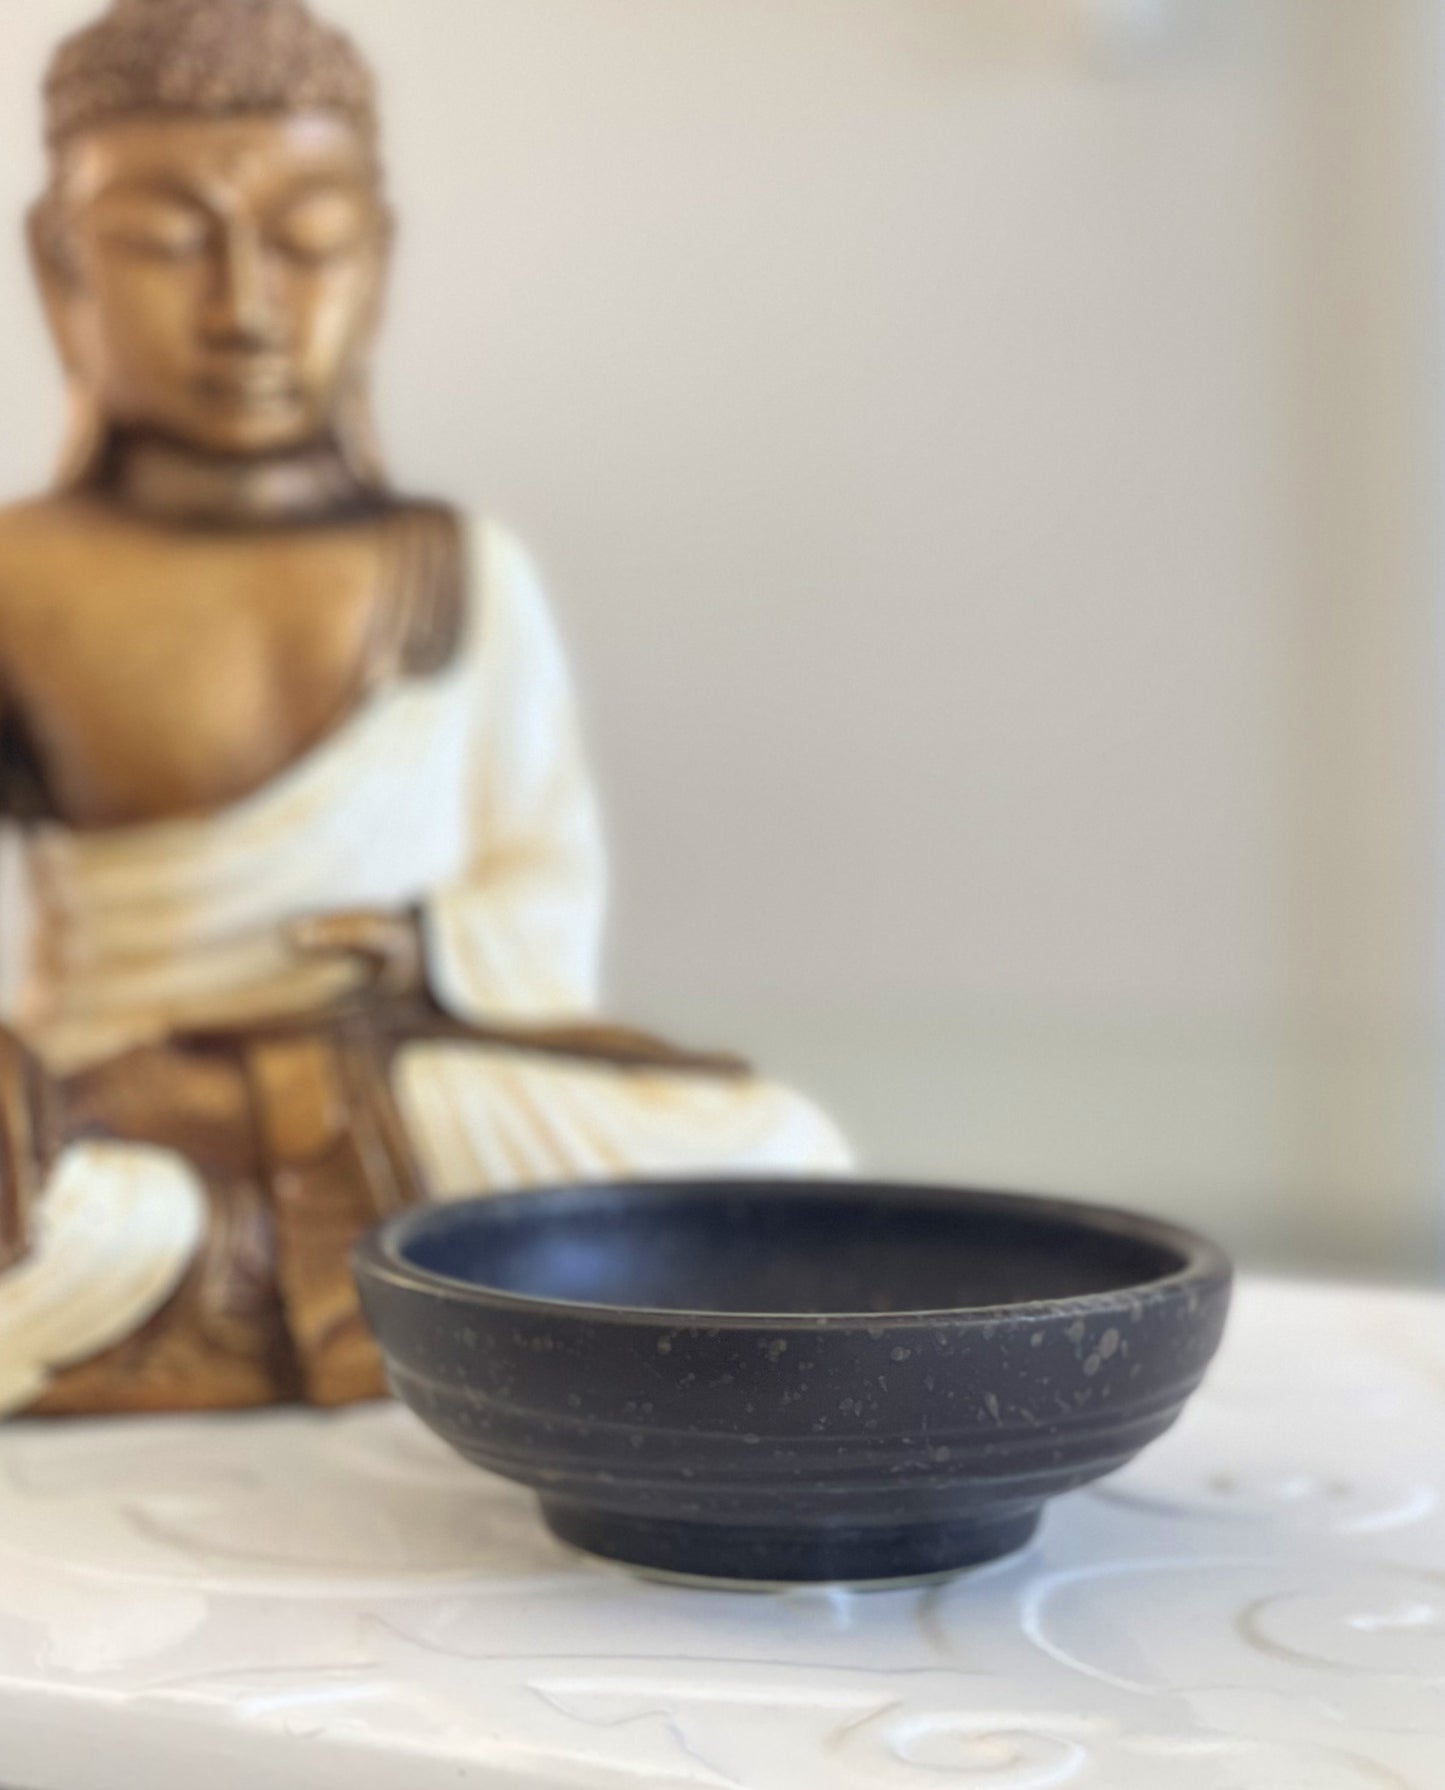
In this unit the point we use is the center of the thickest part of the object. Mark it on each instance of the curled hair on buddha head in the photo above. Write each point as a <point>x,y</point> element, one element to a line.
<point>209,59</point>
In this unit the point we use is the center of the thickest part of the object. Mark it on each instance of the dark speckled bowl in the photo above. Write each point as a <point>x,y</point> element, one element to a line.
<point>790,1381</point>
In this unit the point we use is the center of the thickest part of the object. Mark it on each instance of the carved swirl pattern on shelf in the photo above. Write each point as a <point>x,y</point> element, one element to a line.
<point>1259,1604</point>
<point>1276,1491</point>
<point>1381,1623</point>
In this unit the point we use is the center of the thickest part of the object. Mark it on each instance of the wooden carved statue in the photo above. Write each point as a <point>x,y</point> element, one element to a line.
<point>300,876</point>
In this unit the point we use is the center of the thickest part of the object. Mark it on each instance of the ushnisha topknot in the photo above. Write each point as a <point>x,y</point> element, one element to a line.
<point>206,58</point>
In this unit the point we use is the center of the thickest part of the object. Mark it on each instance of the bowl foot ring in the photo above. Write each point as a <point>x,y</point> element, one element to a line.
<point>751,1554</point>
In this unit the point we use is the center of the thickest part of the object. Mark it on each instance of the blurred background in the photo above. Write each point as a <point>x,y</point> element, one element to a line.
<point>986,457</point>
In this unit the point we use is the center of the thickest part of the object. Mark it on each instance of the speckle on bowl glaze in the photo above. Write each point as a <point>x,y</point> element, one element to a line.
<point>793,1381</point>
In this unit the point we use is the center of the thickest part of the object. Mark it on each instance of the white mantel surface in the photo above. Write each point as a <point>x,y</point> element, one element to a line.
<point>318,1602</point>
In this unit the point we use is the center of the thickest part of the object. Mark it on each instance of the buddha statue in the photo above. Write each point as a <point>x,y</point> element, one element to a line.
<point>301,884</point>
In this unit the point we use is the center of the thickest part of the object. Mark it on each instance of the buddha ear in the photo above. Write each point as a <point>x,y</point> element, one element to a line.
<point>385,256</point>
<point>354,423</point>
<point>60,287</point>
<point>357,438</point>
<point>56,275</point>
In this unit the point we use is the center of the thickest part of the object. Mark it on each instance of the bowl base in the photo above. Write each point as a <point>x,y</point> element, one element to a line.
<point>744,1555</point>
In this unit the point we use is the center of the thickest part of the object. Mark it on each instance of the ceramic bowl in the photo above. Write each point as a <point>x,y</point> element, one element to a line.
<point>791,1381</point>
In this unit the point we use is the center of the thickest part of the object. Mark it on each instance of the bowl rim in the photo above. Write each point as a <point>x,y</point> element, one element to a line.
<point>379,1256</point>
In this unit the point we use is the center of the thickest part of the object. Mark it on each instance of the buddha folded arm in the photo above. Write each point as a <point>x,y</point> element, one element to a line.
<point>515,929</point>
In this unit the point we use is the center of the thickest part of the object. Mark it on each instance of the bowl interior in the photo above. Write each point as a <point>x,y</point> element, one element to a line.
<point>778,1248</point>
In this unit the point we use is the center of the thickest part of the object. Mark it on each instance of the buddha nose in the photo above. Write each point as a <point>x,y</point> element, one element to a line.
<point>243,309</point>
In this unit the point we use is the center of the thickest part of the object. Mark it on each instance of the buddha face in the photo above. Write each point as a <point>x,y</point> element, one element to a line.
<point>216,281</point>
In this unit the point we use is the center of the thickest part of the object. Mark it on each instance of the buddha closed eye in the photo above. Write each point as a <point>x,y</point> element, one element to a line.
<point>152,224</point>
<point>313,226</point>
<point>321,224</point>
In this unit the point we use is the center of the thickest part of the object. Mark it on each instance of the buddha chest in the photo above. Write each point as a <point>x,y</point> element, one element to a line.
<point>150,673</point>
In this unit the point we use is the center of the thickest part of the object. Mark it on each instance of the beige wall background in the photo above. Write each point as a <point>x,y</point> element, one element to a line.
<point>980,450</point>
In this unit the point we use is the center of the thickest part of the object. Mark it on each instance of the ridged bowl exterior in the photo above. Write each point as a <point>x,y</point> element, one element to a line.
<point>795,1447</point>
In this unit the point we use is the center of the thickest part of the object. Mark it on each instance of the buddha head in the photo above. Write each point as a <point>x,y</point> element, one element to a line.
<point>213,242</point>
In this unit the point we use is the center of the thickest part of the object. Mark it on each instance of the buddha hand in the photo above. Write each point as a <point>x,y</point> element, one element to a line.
<point>388,946</point>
